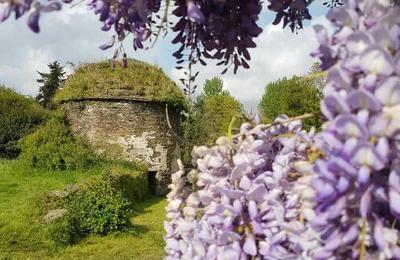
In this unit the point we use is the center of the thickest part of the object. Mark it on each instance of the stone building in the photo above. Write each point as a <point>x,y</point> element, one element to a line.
<point>124,120</point>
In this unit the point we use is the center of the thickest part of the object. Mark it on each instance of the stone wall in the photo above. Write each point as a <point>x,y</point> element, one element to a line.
<point>129,129</point>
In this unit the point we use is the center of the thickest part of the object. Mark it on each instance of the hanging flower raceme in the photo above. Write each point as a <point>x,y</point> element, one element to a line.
<point>358,180</point>
<point>220,30</point>
<point>244,198</point>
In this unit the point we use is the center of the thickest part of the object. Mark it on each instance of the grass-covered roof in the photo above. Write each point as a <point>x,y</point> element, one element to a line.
<point>139,80</point>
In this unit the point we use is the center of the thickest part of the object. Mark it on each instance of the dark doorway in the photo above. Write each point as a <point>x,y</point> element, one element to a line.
<point>152,181</point>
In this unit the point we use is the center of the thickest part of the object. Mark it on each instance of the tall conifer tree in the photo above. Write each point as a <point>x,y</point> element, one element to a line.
<point>49,83</point>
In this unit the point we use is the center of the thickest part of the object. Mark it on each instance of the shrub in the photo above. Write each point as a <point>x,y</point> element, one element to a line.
<point>99,205</point>
<point>98,208</point>
<point>19,115</point>
<point>131,180</point>
<point>53,147</point>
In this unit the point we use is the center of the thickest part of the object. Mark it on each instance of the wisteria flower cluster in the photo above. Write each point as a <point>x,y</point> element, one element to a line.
<point>358,179</point>
<point>220,30</point>
<point>245,198</point>
<point>291,12</point>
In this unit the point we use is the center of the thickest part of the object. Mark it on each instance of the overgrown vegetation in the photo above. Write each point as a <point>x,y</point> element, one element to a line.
<point>99,205</point>
<point>53,147</point>
<point>96,208</point>
<point>23,235</point>
<point>210,117</point>
<point>130,179</point>
<point>140,79</point>
<point>292,97</point>
<point>19,115</point>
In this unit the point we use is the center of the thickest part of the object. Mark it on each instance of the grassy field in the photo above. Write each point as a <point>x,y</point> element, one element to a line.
<point>24,236</point>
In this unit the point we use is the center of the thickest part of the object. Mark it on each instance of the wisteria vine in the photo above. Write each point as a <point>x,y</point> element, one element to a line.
<point>277,192</point>
<point>246,197</point>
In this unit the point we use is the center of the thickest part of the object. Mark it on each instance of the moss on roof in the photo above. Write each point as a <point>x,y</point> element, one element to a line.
<point>140,79</point>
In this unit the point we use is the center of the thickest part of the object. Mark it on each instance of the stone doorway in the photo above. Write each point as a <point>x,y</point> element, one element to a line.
<point>152,182</point>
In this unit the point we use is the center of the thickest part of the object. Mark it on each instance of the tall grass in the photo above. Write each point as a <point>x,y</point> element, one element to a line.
<point>24,236</point>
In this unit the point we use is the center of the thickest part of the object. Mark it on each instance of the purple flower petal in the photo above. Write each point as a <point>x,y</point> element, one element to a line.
<point>361,99</point>
<point>379,235</point>
<point>52,6</point>
<point>5,11</point>
<point>364,174</point>
<point>348,125</point>
<point>394,180</point>
<point>194,13</point>
<point>358,42</point>
<point>109,44</point>
<point>377,61</point>
<point>389,92</point>
<point>333,105</point>
<point>249,246</point>
<point>365,204</point>
<point>33,21</point>
<point>336,209</point>
<point>351,234</point>
<point>321,33</point>
<point>394,200</point>
<point>334,241</point>
<point>365,154</point>
<point>245,183</point>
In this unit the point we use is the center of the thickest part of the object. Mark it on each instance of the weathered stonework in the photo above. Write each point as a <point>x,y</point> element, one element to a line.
<point>129,128</point>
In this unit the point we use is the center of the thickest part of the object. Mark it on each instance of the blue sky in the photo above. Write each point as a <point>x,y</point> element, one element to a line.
<point>74,35</point>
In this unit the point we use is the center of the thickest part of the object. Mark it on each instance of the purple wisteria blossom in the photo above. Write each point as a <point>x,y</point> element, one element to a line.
<point>358,179</point>
<point>245,198</point>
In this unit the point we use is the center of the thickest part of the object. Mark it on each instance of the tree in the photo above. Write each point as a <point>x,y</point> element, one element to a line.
<point>50,83</point>
<point>213,87</point>
<point>293,97</point>
<point>210,116</point>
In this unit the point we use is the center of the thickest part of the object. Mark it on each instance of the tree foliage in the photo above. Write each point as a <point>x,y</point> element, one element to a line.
<point>293,97</point>
<point>19,115</point>
<point>213,87</point>
<point>50,83</point>
<point>210,117</point>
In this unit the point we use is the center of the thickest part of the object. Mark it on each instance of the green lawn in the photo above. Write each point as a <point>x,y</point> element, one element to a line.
<point>24,236</point>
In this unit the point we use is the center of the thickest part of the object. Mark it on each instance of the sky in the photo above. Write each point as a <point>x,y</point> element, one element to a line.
<point>73,35</point>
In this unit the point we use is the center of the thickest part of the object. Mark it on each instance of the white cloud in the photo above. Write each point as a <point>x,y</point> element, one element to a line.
<point>279,53</point>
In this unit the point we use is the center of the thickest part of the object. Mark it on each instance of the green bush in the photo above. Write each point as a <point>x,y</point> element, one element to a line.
<point>19,115</point>
<point>95,208</point>
<point>293,97</point>
<point>99,205</point>
<point>98,208</point>
<point>131,180</point>
<point>53,147</point>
